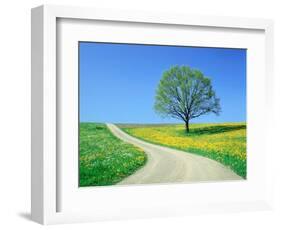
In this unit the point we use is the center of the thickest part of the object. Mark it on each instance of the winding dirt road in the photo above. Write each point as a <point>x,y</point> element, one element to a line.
<point>166,165</point>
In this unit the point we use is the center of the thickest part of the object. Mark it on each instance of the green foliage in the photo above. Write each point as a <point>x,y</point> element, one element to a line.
<point>104,159</point>
<point>185,94</point>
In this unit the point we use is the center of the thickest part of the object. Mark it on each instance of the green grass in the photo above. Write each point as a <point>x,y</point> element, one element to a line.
<point>104,159</point>
<point>223,142</point>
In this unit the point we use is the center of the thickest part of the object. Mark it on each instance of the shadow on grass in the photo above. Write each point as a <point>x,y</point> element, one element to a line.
<point>214,129</point>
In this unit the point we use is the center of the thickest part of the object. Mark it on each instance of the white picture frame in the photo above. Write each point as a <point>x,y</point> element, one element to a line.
<point>46,180</point>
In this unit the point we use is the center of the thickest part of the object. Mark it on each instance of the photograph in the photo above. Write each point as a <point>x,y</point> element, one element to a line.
<point>161,114</point>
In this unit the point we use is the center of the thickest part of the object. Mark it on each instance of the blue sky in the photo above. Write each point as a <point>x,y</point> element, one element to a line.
<point>118,81</point>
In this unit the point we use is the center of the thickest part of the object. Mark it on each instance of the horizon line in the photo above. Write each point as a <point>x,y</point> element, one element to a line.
<point>168,123</point>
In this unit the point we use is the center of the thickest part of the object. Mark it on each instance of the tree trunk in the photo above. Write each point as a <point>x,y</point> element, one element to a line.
<point>187,126</point>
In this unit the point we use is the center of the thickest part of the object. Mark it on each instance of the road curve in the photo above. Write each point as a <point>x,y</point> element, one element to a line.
<point>166,165</point>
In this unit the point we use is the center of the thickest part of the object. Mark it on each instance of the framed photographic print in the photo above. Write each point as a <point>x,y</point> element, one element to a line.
<point>140,114</point>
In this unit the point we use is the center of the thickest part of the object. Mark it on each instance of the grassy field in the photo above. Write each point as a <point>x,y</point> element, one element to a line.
<point>104,159</point>
<point>225,143</point>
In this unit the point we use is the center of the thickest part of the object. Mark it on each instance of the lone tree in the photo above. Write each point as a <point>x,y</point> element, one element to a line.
<point>185,94</point>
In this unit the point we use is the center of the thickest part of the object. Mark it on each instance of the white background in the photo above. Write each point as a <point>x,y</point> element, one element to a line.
<point>15,113</point>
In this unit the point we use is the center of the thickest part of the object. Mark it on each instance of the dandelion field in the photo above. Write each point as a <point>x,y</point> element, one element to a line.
<point>223,142</point>
<point>104,159</point>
